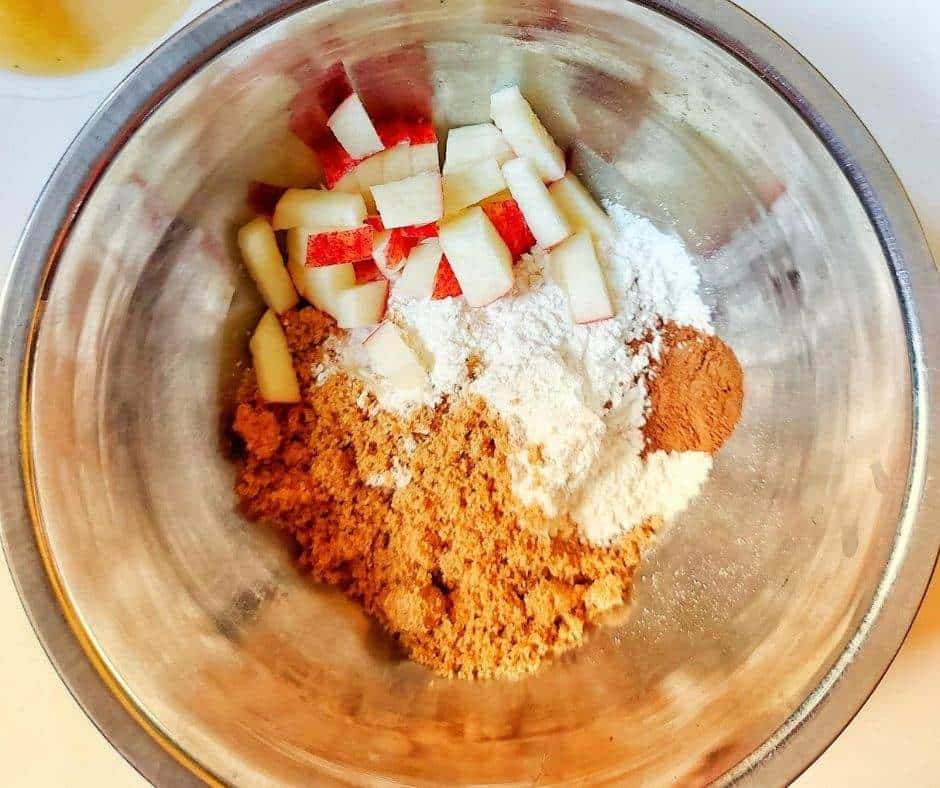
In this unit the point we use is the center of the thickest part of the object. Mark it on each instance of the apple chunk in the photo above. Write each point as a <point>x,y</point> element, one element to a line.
<point>274,367</point>
<point>445,283</point>
<point>415,200</point>
<point>468,187</point>
<point>424,158</point>
<point>579,271</point>
<point>392,358</point>
<point>340,246</point>
<point>511,225</point>
<point>396,163</point>
<point>320,286</point>
<point>544,218</point>
<point>318,209</point>
<point>353,127</point>
<point>525,133</point>
<point>467,145</point>
<point>480,259</point>
<point>361,305</point>
<point>579,208</point>
<point>420,271</point>
<point>264,262</point>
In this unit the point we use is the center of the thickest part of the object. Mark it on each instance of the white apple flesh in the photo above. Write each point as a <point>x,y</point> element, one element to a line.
<point>543,216</point>
<point>361,305</point>
<point>392,358</point>
<point>525,133</point>
<point>353,128</point>
<point>396,163</point>
<point>318,209</point>
<point>468,187</point>
<point>579,207</point>
<point>424,158</point>
<point>321,285</point>
<point>264,262</point>
<point>480,259</point>
<point>274,367</point>
<point>576,265</point>
<point>467,145</point>
<point>420,271</point>
<point>417,200</point>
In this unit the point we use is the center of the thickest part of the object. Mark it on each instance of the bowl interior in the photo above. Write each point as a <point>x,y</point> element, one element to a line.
<point>264,678</point>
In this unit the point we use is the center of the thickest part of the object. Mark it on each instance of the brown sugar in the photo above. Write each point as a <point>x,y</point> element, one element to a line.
<point>471,582</point>
<point>696,393</point>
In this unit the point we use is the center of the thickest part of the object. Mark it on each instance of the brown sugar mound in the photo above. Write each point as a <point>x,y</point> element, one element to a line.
<point>467,579</point>
<point>696,393</point>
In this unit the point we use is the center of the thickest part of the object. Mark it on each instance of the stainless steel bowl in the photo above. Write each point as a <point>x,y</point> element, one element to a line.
<point>764,618</point>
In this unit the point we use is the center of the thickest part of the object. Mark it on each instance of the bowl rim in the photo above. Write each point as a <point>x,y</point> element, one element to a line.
<point>838,696</point>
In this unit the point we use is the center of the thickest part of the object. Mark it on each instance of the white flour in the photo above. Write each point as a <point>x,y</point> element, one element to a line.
<point>575,391</point>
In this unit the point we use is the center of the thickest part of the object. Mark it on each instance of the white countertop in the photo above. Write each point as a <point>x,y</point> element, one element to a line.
<point>883,56</point>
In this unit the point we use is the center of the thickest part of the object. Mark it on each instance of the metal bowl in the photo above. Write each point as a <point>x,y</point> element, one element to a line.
<point>763,619</point>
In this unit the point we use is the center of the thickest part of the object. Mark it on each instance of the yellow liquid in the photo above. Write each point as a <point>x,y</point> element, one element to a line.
<point>68,36</point>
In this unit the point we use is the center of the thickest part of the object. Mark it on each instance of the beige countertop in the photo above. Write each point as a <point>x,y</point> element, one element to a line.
<point>883,56</point>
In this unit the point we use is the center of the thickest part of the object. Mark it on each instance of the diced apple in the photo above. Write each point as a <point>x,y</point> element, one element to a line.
<point>396,163</point>
<point>424,158</point>
<point>525,133</point>
<point>393,131</point>
<point>415,200</point>
<point>351,125</point>
<point>349,183</point>
<point>392,358</point>
<point>579,208</point>
<point>320,286</point>
<point>366,271</point>
<point>579,271</point>
<point>361,305</point>
<point>511,225</point>
<point>274,367</point>
<point>335,162</point>
<point>380,251</point>
<point>340,246</point>
<point>421,132</point>
<point>262,257</point>
<point>446,284</point>
<point>421,232</point>
<point>543,216</point>
<point>317,209</point>
<point>467,145</point>
<point>468,187</point>
<point>420,271</point>
<point>480,259</point>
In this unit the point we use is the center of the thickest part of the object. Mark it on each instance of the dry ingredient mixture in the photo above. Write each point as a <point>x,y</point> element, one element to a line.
<point>499,395</point>
<point>414,512</point>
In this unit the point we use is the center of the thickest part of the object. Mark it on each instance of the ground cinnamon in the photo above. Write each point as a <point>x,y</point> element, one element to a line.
<point>696,393</point>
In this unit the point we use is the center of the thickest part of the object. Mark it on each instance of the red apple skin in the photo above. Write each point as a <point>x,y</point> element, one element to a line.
<point>422,232</point>
<point>395,130</point>
<point>421,132</point>
<point>262,197</point>
<point>399,247</point>
<point>445,283</point>
<point>340,246</point>
<point>366,271</point>
<point>375,222</point>
<point>334,159</point>
<point>511,226</point>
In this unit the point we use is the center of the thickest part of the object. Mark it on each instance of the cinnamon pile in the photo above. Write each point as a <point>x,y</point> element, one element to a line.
<point>471,582</point>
